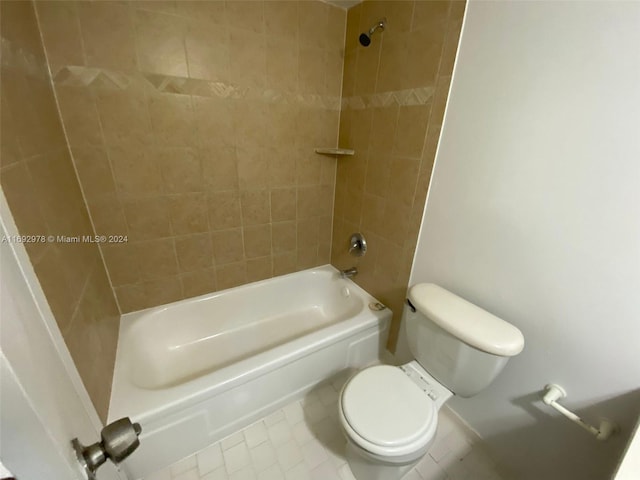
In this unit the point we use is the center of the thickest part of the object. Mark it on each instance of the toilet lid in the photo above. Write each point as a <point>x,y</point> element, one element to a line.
<point>383,406</point>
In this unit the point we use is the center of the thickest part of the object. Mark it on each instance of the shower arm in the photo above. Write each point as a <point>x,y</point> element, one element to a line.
<point>380,25</point>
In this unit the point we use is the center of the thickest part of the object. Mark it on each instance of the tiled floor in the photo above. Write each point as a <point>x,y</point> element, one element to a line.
<point>303,441</point>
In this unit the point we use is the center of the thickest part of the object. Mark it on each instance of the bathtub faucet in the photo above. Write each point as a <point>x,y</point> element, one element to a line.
<point>349,272</point>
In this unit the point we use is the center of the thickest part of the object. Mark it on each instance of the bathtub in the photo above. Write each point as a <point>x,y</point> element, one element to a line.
<point>194,371</point>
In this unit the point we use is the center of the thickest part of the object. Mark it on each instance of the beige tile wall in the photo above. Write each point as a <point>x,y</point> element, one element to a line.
<point>41,187</point>
<point>192,126</point>
<point>394,93</point>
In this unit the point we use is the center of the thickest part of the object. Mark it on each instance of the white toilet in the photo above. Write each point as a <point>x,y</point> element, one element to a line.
<point>390,414</point>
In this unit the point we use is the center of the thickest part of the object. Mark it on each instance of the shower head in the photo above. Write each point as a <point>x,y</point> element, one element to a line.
<point>365,38</point>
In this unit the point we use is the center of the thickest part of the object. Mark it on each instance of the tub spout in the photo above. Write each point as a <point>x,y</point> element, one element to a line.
<point>349,272</point>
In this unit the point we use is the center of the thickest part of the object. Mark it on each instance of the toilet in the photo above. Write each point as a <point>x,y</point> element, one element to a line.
<point>389,414</point>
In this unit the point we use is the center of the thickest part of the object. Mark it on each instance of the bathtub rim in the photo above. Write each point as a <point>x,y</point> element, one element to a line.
<point>129,400</point>
<point>328,268</point>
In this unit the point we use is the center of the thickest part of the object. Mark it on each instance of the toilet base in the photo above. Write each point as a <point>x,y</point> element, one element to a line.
<point>365,468</point>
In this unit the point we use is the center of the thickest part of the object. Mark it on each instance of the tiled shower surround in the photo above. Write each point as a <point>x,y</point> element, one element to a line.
<point>394,94</point>
<point>40,185</point>
<point>191,128</point>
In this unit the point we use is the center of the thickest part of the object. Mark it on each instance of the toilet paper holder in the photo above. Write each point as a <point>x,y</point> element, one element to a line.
<point>117,441</point>
<point>556,392</point>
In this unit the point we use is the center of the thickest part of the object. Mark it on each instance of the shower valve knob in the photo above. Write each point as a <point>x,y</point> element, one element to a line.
<point>117,441</point>
<point>357,245</point>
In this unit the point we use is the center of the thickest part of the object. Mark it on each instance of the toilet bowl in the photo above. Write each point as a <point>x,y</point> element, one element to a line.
<point>389,414</point>
<point>385,448</point>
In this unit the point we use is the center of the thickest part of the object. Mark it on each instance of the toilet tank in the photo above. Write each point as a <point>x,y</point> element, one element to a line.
<point>461,345</point>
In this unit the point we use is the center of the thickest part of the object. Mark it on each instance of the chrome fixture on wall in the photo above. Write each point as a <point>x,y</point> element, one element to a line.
<point>365,38</point>
<point>118,440</point>
<point>349,272</point>
<point>357,248</point>
<point>357,245</point>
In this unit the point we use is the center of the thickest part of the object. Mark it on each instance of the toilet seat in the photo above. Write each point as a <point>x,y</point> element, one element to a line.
<point>386,413</point>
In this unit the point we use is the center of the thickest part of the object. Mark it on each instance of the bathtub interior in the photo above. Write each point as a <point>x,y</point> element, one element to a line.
<point>174,345</point>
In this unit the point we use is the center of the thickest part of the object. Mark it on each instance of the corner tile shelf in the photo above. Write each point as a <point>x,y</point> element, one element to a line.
<point>335,151</point>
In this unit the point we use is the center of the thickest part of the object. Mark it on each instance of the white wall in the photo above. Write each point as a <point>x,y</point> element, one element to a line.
<point>534,214</point>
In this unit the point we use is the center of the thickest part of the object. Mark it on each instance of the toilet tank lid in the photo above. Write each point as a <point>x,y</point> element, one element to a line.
<point>466,321</point>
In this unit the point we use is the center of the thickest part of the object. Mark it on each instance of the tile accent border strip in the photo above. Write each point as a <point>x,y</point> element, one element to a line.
<point>412,96</point>
<point>80,76</point>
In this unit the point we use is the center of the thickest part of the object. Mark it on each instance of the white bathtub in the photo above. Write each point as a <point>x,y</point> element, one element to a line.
<point>197,370</point>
